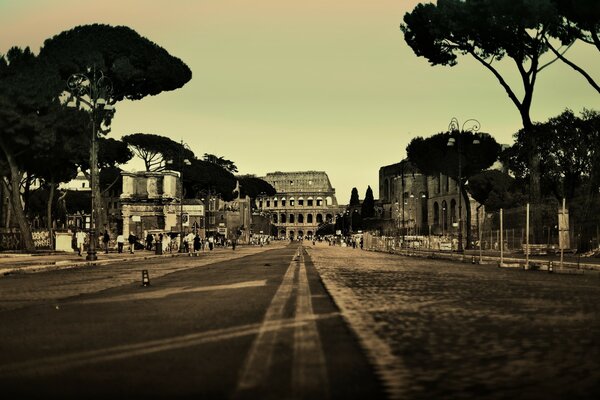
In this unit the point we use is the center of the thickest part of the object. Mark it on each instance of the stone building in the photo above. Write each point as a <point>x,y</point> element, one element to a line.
<point>150,201</point>
<point>419,203</point>
<point>303,201</point>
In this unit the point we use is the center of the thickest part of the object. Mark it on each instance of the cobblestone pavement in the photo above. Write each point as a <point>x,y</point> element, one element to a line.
<point>437,329</point>
<point>19,290</point>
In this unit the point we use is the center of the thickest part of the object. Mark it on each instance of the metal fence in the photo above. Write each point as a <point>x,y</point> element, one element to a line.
<point>538,228</point>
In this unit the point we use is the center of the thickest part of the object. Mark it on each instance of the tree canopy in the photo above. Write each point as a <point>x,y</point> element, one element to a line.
<point>157,150</point>
<point>368,204</point>
<point>433,156</point>
<point>495,190</point>
<point>136,66</point>
<point>578,20</point>
<point>488,31</point>
<point>570,150</point>
<point>354,200</point>
<point>227,165</point>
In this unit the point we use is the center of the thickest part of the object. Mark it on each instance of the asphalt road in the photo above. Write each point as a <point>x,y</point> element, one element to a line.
<point>260,326</point>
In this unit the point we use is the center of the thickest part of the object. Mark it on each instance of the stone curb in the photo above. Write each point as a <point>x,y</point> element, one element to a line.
<point>69,264</point>
<point>569,267</point>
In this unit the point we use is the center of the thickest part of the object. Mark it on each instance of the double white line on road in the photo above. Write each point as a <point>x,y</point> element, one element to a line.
<point>309,373</point>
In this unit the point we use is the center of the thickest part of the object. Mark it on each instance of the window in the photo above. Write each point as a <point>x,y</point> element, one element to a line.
<point>275,203</point>
<point>268,203</point>
<point>310,202</point>
<point>309,219</point>
<point>300,218</point>
<point>300,202</point>
<point>319,202</point>
<point>291,218</point>
<point>291,202</point>
<point>260,204</point>
<point>274,218</point>
<point>282,202</point>
<point>283,218</point>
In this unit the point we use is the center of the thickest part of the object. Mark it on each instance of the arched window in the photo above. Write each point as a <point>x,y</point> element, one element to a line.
<point>283,218</point>
<point>275,202</point>
<point>274,218</point>
<point>319,202</point>
<point>328,201</point>
<point>292,202</point>
<point>310,202</point>
<point>300,218</point>
<point>300,201</point>
<point>329,217</point>
<point>283,202</point>
<point>436,213</point>
<point>453,211</point>
<point>444,215</point>
<point>291,218</point>
<point>319,218</point>
<point>309,219</point>
<point>282,233</point>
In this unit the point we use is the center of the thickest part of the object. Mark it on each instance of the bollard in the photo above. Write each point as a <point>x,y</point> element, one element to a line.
<point>473,260</point>
<point>550,267</point>
<point>145,278</point>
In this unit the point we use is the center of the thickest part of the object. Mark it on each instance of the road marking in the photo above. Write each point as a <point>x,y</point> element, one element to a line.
<point>56,364</point>
<point>162,293</point>
<point>309,373</point>
<point>258,362</point>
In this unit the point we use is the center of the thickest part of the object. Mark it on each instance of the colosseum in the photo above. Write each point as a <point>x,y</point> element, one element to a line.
<point>303,201</point>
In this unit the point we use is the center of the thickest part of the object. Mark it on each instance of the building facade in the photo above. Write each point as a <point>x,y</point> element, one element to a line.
<point>303,201</point>
<point>151,201</point>
<point>421,204</point>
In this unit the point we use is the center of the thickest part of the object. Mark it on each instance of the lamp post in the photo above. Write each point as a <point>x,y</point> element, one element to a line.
<point>182,162</point>
<point>458,141</point>
<point>93,95</point>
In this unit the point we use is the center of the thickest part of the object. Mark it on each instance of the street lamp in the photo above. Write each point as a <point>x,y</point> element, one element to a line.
<point>92,94</point>
<point>182,161</point>
<point>458,142</point>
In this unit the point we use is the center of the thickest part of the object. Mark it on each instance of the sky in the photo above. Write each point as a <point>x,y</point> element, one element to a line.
<point>326,85</point>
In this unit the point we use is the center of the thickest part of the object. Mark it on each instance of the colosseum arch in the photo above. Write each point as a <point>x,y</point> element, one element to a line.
<point>309,219</point>
<point>300,218</point>
<point>291,219</point>
<point>283,218</point>
<point>319,218</point>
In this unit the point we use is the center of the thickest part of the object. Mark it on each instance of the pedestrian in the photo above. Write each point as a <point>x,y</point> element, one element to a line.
<point>149,239</point>
<point>80,237</point>
<point>233,242</point>
<point>196,243</point>
<point>120,242</point>
<point>211,242</point>
<point>105,240</point>
<point>131,239</point>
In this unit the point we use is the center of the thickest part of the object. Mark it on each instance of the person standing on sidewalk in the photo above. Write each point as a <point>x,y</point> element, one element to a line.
<point>105,240</point>
<point>80,237</point>
<point>131,240</point>
<point>120,242</point>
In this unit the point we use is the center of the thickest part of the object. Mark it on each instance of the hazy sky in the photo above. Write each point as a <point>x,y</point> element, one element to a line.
<point>282,85</point>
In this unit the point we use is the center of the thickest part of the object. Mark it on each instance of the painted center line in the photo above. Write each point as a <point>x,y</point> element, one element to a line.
<point>162,293</point>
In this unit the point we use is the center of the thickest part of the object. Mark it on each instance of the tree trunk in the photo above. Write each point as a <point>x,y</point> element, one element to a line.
<point>17,207</point>
<point>49,213</point>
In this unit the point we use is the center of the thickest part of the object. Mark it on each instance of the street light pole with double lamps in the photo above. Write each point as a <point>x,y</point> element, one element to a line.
<point>458,142</point>
<point>182,162</point>
<point>92,94</point>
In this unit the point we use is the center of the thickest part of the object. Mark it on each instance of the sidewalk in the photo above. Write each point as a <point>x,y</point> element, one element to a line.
<point>572,263</point>
<point>14,263</point>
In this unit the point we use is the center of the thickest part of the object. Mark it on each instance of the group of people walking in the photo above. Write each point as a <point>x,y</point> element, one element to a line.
<point>192,242</point>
